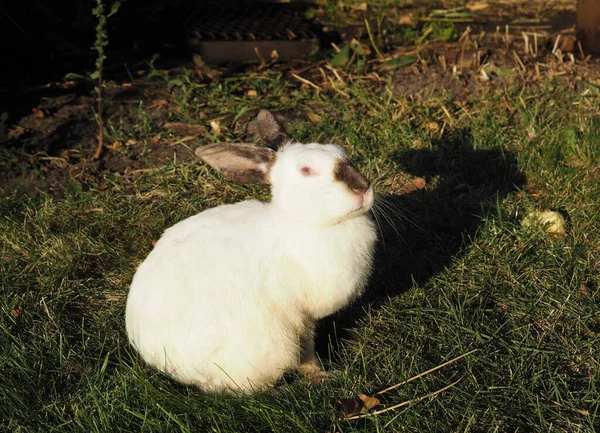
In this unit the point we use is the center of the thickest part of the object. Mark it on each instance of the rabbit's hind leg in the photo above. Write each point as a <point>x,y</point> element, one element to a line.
<point>310,367</point>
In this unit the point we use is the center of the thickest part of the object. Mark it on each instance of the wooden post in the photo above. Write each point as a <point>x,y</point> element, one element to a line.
<point>588,25</point>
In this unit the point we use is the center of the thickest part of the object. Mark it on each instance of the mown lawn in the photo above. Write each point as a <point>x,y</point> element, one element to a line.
<point>456,271</point>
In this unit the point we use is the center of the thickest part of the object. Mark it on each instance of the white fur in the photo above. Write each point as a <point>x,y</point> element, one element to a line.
<point>228,298</point>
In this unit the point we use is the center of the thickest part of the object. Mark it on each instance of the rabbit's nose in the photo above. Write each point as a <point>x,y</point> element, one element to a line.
<point>361,190</point>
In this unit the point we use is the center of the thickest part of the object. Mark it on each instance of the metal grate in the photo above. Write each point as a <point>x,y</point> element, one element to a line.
<point>231,34</point>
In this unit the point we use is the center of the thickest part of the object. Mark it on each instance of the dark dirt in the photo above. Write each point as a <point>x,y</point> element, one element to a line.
<point>53,147</point>
<point>49,139</point>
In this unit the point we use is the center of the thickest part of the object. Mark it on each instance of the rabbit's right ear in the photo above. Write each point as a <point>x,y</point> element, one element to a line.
<point>271,131</point>
<point>241,163</point>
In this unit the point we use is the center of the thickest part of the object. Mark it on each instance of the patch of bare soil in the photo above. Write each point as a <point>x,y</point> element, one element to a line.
<point>52,147</point>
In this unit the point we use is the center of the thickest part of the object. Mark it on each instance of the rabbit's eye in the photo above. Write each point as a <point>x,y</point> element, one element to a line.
<point>307,171</point>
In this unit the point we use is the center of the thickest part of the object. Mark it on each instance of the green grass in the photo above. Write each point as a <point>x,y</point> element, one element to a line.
<point>455,270</point>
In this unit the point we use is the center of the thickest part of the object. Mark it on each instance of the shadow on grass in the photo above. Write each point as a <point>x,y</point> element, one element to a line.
<point>431,226</point>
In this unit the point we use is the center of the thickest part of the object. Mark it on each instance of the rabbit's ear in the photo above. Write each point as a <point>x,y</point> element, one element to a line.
<point>241,163</point>
<point>271,131</point>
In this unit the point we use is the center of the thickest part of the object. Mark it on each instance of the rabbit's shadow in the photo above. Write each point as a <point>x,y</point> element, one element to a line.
<point>426,229</point>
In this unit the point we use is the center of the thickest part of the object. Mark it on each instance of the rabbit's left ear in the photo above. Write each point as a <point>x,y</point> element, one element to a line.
<point>241,163</point>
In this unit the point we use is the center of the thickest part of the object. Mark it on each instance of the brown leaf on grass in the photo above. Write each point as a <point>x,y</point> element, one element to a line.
<point>15,132</point>
<point>406,20</point>
<point>16,312</point>
<point>184,129</point>
<point>350,407</point>
<point>361,7</point>
<point>584,290</point>
<point>314,117</point>
<point>432,127</point>
<point>40,113</point>
<point>215,127</point>
<point>419,183</point>
<point>115,145</point>
<point>160,102</point>
<point>369,402</point>
<point>414,185</point>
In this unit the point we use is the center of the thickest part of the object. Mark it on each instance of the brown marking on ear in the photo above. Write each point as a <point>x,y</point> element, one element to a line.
<point>271,131</point>
<point>347,173</point>
<point>241,163</point>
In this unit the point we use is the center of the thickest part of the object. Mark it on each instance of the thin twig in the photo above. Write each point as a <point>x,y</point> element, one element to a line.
<point>332,69</point>
<point>87,211</point>
<point>183,140</point>
<point>554,48</point>
<point>519,61</point>
<point>580,48</point>
<point>405,403</point>
<point>305,81</point>
<point>426,372</point>
<point>526,40</point>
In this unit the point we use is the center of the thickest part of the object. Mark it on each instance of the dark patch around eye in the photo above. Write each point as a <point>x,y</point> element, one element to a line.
<point>347,173</point>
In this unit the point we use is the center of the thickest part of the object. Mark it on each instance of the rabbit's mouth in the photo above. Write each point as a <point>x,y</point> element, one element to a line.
<point>365,203</point>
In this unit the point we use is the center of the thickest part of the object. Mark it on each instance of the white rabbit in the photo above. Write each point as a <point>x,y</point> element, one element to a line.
<point>228,298</point>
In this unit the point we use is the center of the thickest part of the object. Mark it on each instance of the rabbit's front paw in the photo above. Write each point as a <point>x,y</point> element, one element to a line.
<point>312,371</point>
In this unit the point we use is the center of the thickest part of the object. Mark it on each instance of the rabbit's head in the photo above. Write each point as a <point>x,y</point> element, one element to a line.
<point>312,182</point>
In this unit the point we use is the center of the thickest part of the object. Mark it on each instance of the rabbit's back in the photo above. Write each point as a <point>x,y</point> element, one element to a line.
<point>199,306</point>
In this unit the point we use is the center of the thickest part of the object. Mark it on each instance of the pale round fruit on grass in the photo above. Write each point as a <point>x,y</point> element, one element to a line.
<point>553,221</point>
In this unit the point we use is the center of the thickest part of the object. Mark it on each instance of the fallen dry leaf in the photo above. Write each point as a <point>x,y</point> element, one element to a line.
<point>115,145</point>
<point>349,406</point>
<point>419,183</point>
<point>159,103</point>
<point>16,312</point>
<point>361,7</point>
<point>215,126</point>
<point>15,131</point>
<point>40,113</point>
<point>432,127</point>
<point>185,129</point>
<point>584,290</point>
<point>251,93</point>
<point>406,20</point>
<point>369,402</point>
<point>362,403</point>
<point>314,117</point>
